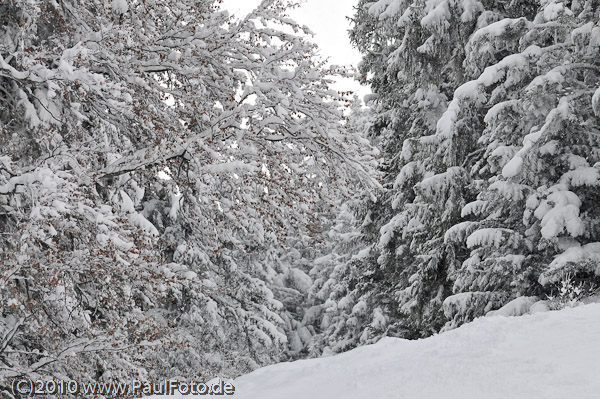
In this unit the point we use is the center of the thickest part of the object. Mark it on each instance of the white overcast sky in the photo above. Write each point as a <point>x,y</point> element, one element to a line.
<point>328,20</point>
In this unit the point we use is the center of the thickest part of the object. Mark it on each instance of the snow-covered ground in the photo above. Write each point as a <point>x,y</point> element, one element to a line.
<point>545,355</point>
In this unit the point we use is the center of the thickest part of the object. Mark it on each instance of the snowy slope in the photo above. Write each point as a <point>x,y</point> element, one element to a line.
<point>545,355</point>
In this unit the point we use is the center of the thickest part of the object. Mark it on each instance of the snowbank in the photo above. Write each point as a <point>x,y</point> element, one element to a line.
<point>545,355</point>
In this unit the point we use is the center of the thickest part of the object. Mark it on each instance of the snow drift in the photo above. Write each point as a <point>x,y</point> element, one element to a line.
<point>545,355</point>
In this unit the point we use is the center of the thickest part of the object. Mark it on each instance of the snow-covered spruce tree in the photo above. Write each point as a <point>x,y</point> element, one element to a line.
<point>413,55</point>
<point>153,156</point>
<point>338,314</point>
<point>536,218</point>
<point>416,55</point>
<point>335,314</point>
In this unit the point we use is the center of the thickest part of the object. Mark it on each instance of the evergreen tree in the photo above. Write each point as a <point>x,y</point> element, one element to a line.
<point>535,219</point>
<point>464,90</point>
<point>413,59</point>
<point>337,312</point>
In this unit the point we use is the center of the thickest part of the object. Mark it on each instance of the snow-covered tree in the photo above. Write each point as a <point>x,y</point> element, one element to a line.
<point>486,114</point>
<point>336,312</point>
<point>154,157</point>
<point>413,56</point>
<point>536,217</point>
